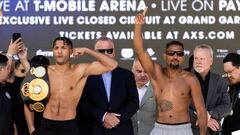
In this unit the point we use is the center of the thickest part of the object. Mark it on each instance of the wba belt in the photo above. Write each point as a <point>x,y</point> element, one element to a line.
<point>35,88</point>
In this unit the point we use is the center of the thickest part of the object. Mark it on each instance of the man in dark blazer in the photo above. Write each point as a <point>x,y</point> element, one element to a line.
<point>109,100</point>
<point>143,120</point>
<point>231,66</point>
<point>214,90</point>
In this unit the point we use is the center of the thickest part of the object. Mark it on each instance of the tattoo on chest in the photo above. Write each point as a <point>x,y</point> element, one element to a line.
<point>165,105</point>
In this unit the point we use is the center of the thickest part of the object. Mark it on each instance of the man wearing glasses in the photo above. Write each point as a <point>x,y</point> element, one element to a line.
<point>173,88</point>
<point>231,65</point>
<point>109,100</point>
<point>214,90</point>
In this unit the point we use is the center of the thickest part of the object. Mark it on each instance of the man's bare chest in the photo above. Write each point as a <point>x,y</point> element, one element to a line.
<point>176,87</point>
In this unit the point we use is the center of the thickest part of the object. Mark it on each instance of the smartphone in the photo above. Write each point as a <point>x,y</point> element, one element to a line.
<point>15,36</point>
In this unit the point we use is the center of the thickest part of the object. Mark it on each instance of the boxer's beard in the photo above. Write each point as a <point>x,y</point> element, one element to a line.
<point>174,65</point>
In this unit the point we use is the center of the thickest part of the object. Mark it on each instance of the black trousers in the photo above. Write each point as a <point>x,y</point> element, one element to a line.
<point>52,127</point>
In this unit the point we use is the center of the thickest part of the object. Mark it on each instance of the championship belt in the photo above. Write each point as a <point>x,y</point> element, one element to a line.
<point>35,88</point>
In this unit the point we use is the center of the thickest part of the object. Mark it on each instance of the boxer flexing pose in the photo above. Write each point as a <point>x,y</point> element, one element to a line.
<point>66,83</point>
<point>173,88</point>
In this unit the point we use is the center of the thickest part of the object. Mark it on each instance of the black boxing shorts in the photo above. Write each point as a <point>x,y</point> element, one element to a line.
<point>53,127</point>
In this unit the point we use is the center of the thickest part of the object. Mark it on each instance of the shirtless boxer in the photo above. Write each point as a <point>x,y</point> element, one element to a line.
<point>66,82</point>
<point>173,87</point>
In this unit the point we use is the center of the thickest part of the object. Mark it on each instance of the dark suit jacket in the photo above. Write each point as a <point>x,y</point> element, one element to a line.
<point>217,103</point>
<point>94,103</point>
<point>231,122</point>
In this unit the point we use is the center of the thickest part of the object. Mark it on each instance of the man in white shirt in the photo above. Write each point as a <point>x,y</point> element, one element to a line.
<point>144,119</point>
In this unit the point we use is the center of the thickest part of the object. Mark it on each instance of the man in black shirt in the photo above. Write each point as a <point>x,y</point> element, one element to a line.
<point>6,103</point>
<point>231,64</point>
<point>7,89</point>
<point>214,90</point>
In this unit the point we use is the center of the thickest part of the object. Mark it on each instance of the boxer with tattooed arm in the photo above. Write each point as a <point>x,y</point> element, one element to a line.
<point>173,87</point>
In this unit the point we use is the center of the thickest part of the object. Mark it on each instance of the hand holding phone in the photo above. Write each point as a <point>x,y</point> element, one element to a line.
<point>16,36</point>
<point>20,47</point>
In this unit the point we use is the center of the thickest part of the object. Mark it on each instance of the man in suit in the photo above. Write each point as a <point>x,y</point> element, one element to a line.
<point>231,65</point>
<point>109,100</point>
<point>214,89</point>
<point>144,119</point>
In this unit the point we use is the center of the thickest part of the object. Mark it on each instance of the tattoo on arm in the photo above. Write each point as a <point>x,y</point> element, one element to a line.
<point>165,105</point>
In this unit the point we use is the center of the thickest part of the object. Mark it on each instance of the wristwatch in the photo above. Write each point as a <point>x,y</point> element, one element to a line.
<point>10,56</point>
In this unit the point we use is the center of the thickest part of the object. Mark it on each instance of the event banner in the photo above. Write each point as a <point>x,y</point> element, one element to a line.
<point>193,22</point>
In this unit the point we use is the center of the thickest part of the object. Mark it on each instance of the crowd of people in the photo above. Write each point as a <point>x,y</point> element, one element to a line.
<point>101,98</point>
